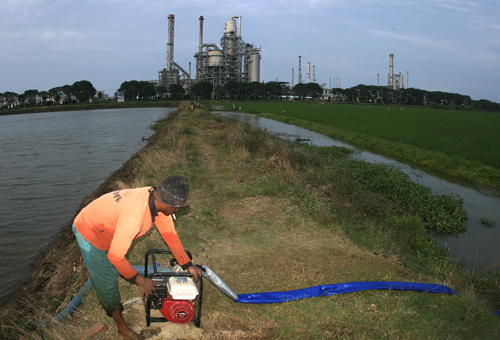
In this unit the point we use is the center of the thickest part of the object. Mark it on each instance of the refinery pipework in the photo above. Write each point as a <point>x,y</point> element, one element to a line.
<point>233,61</point>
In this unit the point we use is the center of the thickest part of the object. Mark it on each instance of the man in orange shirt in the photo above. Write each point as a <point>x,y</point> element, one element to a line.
<point>106,228</point>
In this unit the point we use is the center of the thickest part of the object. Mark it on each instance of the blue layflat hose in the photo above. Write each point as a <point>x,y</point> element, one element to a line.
<point>341,288</point>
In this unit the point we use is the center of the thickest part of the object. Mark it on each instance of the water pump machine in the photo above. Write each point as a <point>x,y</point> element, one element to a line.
<point>177,296</point>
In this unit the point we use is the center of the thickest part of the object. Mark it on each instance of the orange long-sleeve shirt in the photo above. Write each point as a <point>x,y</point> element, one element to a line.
<point>114,220</point>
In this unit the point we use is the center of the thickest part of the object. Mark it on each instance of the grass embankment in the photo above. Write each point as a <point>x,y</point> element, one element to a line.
<point>271,215</point>
<point>461,144</point>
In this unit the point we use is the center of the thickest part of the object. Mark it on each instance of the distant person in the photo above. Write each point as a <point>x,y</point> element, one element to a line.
<point>106,227</point>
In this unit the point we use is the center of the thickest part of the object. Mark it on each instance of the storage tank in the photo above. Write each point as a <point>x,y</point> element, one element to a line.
<point>215,58</point>
<point>254,67</point>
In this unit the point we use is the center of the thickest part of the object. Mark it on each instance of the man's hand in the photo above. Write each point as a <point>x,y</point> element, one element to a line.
<point>195,271</point>
<point>146,286</point>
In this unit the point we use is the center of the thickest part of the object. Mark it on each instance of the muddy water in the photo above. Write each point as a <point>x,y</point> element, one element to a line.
<point>476,249</point>
<point>49,162</point>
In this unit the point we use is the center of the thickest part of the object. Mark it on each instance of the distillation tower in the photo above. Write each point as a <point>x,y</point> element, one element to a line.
<point>395,81</point>
<point>233,61</point>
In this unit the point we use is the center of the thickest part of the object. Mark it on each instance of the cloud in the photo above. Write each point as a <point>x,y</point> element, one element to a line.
<point>112,40</point>
<point>414,39</point>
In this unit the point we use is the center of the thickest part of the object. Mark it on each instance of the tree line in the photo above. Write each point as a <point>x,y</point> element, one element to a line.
<point>272,90</point>
<point>232,90</point>
<point>411,96</point>
<point>80,92</point>
<point>366,94</point>
<point>83,91</point>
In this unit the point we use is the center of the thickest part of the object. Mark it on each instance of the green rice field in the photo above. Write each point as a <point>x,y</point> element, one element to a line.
<point>461,143</point>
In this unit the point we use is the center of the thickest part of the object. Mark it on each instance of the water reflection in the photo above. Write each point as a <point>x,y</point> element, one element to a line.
<point>476,249</point>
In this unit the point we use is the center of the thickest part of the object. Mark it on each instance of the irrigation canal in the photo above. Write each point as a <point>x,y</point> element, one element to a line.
<point>476,249</point>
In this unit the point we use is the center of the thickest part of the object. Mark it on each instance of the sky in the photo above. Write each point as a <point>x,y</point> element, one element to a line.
<point>443,45</point>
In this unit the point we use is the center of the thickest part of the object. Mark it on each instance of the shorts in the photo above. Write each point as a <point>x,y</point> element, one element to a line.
<point>102,274</point>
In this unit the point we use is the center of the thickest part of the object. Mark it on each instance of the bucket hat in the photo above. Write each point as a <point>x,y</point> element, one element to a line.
<point>173,191</point>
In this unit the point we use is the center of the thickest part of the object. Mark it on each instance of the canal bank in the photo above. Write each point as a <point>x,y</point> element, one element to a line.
<point>474,249</point>
<point>266,219</point>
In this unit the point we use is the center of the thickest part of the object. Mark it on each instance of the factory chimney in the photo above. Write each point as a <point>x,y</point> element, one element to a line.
<point>391,64</point>
<point>170,43</point>
<point>201,32</point>
<point>308,72</point>
<point>300,73</point>
<point>390,82</point>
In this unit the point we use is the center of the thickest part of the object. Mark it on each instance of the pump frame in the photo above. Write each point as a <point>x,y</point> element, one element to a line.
<point>152,302</point>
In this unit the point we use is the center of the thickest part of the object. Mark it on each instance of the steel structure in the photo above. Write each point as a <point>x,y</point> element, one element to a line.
<point>395,81</point>
<point>172,73</point>
<point>233,61</point>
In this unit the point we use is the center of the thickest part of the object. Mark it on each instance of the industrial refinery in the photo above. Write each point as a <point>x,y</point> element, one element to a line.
<point>395,81</point>
<point>234,60</point>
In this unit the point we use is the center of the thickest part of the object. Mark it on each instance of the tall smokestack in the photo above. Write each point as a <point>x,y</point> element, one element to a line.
<point>391,65</point>
<point>201,32</point>
<point>390,81</point>
<point>308,72</point>
<point>292,76</point>
<point>300,73</point>
<point>314,73</point>
<point>170,43</point>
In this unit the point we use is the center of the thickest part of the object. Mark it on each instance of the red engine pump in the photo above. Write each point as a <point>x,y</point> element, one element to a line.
<point>177,297</point>
<point>177,311</point>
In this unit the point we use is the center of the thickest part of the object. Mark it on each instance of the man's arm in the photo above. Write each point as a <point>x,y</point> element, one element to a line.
<point>167,231</point>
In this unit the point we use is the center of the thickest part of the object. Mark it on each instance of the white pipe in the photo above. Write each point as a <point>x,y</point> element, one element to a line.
<point>239,23</point>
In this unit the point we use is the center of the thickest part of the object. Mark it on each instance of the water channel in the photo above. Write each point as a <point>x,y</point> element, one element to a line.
<point>49,163</point>
<point>476,249</point>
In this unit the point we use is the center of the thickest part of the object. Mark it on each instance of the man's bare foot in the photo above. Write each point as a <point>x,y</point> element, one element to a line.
<point>130,335</point>
<point>123,330</point>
